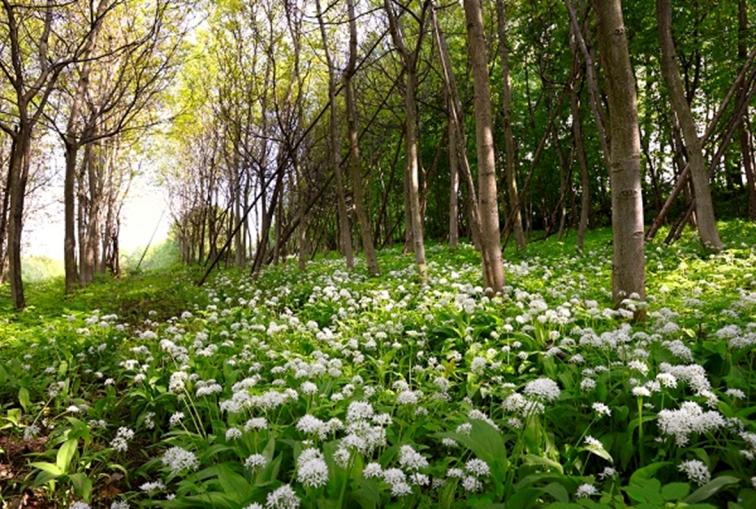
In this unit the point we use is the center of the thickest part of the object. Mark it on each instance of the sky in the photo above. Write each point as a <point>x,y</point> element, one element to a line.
<point>141,216</point>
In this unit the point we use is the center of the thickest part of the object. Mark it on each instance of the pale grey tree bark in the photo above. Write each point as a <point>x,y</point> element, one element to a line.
<point>628,259</point>
<point>707,225</point>
<point>490,238</point>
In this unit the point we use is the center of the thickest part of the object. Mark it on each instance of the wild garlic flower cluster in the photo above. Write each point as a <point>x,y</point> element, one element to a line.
<point>689,418</point>
<point>178,459</point>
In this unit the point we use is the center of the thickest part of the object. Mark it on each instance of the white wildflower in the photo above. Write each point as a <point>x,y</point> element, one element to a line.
<point>283,498</point>
<point>178,459</point>
<point>586,490</point>
<point>696,471</point>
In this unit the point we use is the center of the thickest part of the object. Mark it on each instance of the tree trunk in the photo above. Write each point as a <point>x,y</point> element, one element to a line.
<point>746,147</point>
<point>409,60</point>
<point>593,88</point>
<point>515,213</point>
<point>707,225</point>
<point>69,217</point>
<point>335,148</point>
<point>577,132</point>
<point>628,261</point>
<point>455,117</point>
<point>454,182</point>
<point>18,175</point>
<point>490,239</point>
<point>354,148</point>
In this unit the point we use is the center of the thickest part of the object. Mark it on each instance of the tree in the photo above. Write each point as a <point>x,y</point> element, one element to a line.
<point>335,149</point>
<point>707,225</point>
<point>354,146</point>
<point>409,60</point>
<point>628,260</point>
<point>490,240</point>
<point>40,46</point>
<point>515,215</point>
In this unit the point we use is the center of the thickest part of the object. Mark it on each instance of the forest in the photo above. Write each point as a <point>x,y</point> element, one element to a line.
<point>467,254</point>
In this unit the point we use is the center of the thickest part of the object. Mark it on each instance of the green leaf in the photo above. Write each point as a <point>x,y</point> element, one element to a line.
<point>24,399</point>
<point>47,467</point>
<point>598,451</point>
<point>484,440</point>
<point>65,454</point>
<point>557,491</point>
<point>532,459</point>
<point>645,491</point>
<point>368,495</point>
<point>524,498</point>
<point>675,491</point>
<point>710,488</point>
<point>82,485</point>
<point>234,484</point>
<point>648,471</point>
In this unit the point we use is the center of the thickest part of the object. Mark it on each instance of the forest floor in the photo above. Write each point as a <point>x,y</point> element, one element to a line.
<point>329,389</point>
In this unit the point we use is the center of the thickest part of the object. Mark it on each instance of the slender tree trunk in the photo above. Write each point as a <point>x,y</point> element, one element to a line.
<point>455,116</point>
<point>628,261</point>
<point>411,155</point>
<point>72,140</point>
<point>354,147</point>
<point>490,239</point>
<point>335,148</point>
<point>515,213</point>
<point>4,219</point>
<point>585,180</point>
<point>69,214</point>
<point>18,176</point>
<point>91,239</point>
<point>707,225</point>
<point>593,88</point>
<point>454,182</point>
<point>746,147</point>
<point>409,60</point>
<point>302,213</point>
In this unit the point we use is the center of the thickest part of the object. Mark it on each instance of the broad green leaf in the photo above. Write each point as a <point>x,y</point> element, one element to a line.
<point>648,471</point>
<point>645,491</point>
<point>234,484</point>
<point>710,488</point>
<point>24,399</point>
<point>675,491</point>
<point>82,485</point>
<point>213,499</point>
<point>368,495</point>
<point>13,416</point>
<point>540,460</point>
<point>598,451</point>
<point>65,454</point>
<point>484,440</point>
<point>524,498</point>
<point>557,491</point>
<point>47,467</point>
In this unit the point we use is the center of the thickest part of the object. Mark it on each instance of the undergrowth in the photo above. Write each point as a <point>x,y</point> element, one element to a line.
<point>330,389</point>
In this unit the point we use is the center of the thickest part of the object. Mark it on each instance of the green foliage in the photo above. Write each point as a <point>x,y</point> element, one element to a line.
<point>41,268</point>
<point>348,391</point>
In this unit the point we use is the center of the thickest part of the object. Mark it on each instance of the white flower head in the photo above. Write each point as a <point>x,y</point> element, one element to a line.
<point>312,470</point>
<point>586,490</point>
<point>542,388</point>
<point>283,498</point>
<point>696,471</point>
<point>178,459</point>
